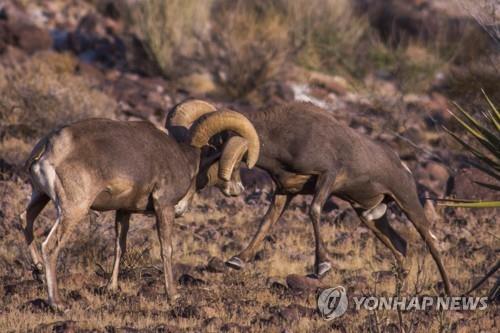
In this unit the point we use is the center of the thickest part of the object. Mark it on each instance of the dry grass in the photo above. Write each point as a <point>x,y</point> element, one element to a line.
<point>171,30</point>
<point>245,300</point>
<point>248,45</point>
<point>42,93</point>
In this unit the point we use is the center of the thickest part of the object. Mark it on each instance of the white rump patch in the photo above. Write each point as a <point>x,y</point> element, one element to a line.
<point>45,175</point>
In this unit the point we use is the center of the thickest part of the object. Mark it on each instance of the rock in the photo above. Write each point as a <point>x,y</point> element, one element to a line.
<point>231,246</point>
<point>234,327</point>
<point>214,321</point>
<point>294,312</point>
<point>335,84</point>
<point>67,326</point>
<point>179,269</point>
<point>36,305</point>
<point>189,280</point>
<point>262,255</point>
<point>188,311</point>
<point>471,183</point>
<point>165,328</point>
<point>198,84</point>
<point>437,171</point>
<point>24,35</point>
<point>124,329</point>
<point>276,285</point>
<point>150,291</point>
<point>22,286</point>
<point>216,265</point>
<point>303,283</point>
<point>398,22</point>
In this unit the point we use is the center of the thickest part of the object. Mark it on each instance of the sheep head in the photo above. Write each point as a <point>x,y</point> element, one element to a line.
<point>196,122</point>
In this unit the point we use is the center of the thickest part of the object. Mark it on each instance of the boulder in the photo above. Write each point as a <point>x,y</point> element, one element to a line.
<point>301,283</point>
<point>473,184</point>
<point>18,30</point>
<point>216,265</point>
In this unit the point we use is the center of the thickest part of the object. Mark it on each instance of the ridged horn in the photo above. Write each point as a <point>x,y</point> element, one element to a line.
<point>233,152</point>
<point>183,115</point>
<point>226,120</point>
<point>212,174</point>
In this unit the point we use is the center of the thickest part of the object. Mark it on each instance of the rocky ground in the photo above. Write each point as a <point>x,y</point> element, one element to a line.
<point>86,54</point>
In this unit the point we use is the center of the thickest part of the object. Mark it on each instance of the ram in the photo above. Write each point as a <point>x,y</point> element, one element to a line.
<point>130,167</point>
<point>306,151</point>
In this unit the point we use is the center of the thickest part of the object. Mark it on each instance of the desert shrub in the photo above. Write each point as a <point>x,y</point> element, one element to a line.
<point>171,30</point>
<point>248,44</point>
<point>42,93</point>
<point>463,82</point>
<point>484,130</point>
<point>329,33</point>
<point>485,12</point>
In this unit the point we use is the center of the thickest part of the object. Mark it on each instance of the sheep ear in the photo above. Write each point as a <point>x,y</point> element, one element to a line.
<point>233,152</point>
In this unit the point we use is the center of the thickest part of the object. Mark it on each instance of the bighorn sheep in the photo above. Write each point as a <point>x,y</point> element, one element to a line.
<point>306,151</point>
<point>130,167</point>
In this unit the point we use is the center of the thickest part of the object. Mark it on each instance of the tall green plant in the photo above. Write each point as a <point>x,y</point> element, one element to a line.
<point>486,133</point>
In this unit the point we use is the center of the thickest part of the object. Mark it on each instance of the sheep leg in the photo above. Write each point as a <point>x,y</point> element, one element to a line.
<point>35,206</point>
<point>57,238</point>
<point>323,189</point>
<point>164,221</point>
<point>276,209</point>
<point>416,215</point>
<point>397,241</point>
<point>122,220</point>
<point>369,220</point>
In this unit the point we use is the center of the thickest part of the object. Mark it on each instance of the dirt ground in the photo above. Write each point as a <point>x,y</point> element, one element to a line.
<point>85,72</point>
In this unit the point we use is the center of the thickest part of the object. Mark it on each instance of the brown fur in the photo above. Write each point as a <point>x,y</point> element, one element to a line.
<point>100,164</point>
<point>306,151</point>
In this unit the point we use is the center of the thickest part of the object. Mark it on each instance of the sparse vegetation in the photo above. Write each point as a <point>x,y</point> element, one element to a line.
<point>486,134</point>
<point>43,93</point>
<point>248,45</point>
<point>238,49</point>
<point>171,30</point>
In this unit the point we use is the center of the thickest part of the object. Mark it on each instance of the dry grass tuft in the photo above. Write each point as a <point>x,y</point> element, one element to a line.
<point>248,44</point>
<point>171,30</point>
<point>42,93</point>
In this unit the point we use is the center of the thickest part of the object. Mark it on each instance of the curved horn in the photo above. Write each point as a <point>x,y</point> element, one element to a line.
<point>224,120</point>
<point>179,120</point>
<point>233,152</point>
<point>212,174</point>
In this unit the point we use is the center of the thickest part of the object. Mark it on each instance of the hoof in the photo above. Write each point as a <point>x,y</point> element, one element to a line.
<point>110,288</point>
<point>173,298</point>
<point>60,307</point>
<point>322,269</point>
<point>235,263</point>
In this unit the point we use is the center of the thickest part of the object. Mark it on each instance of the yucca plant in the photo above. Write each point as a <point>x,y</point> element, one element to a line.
<point>486,132</point>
